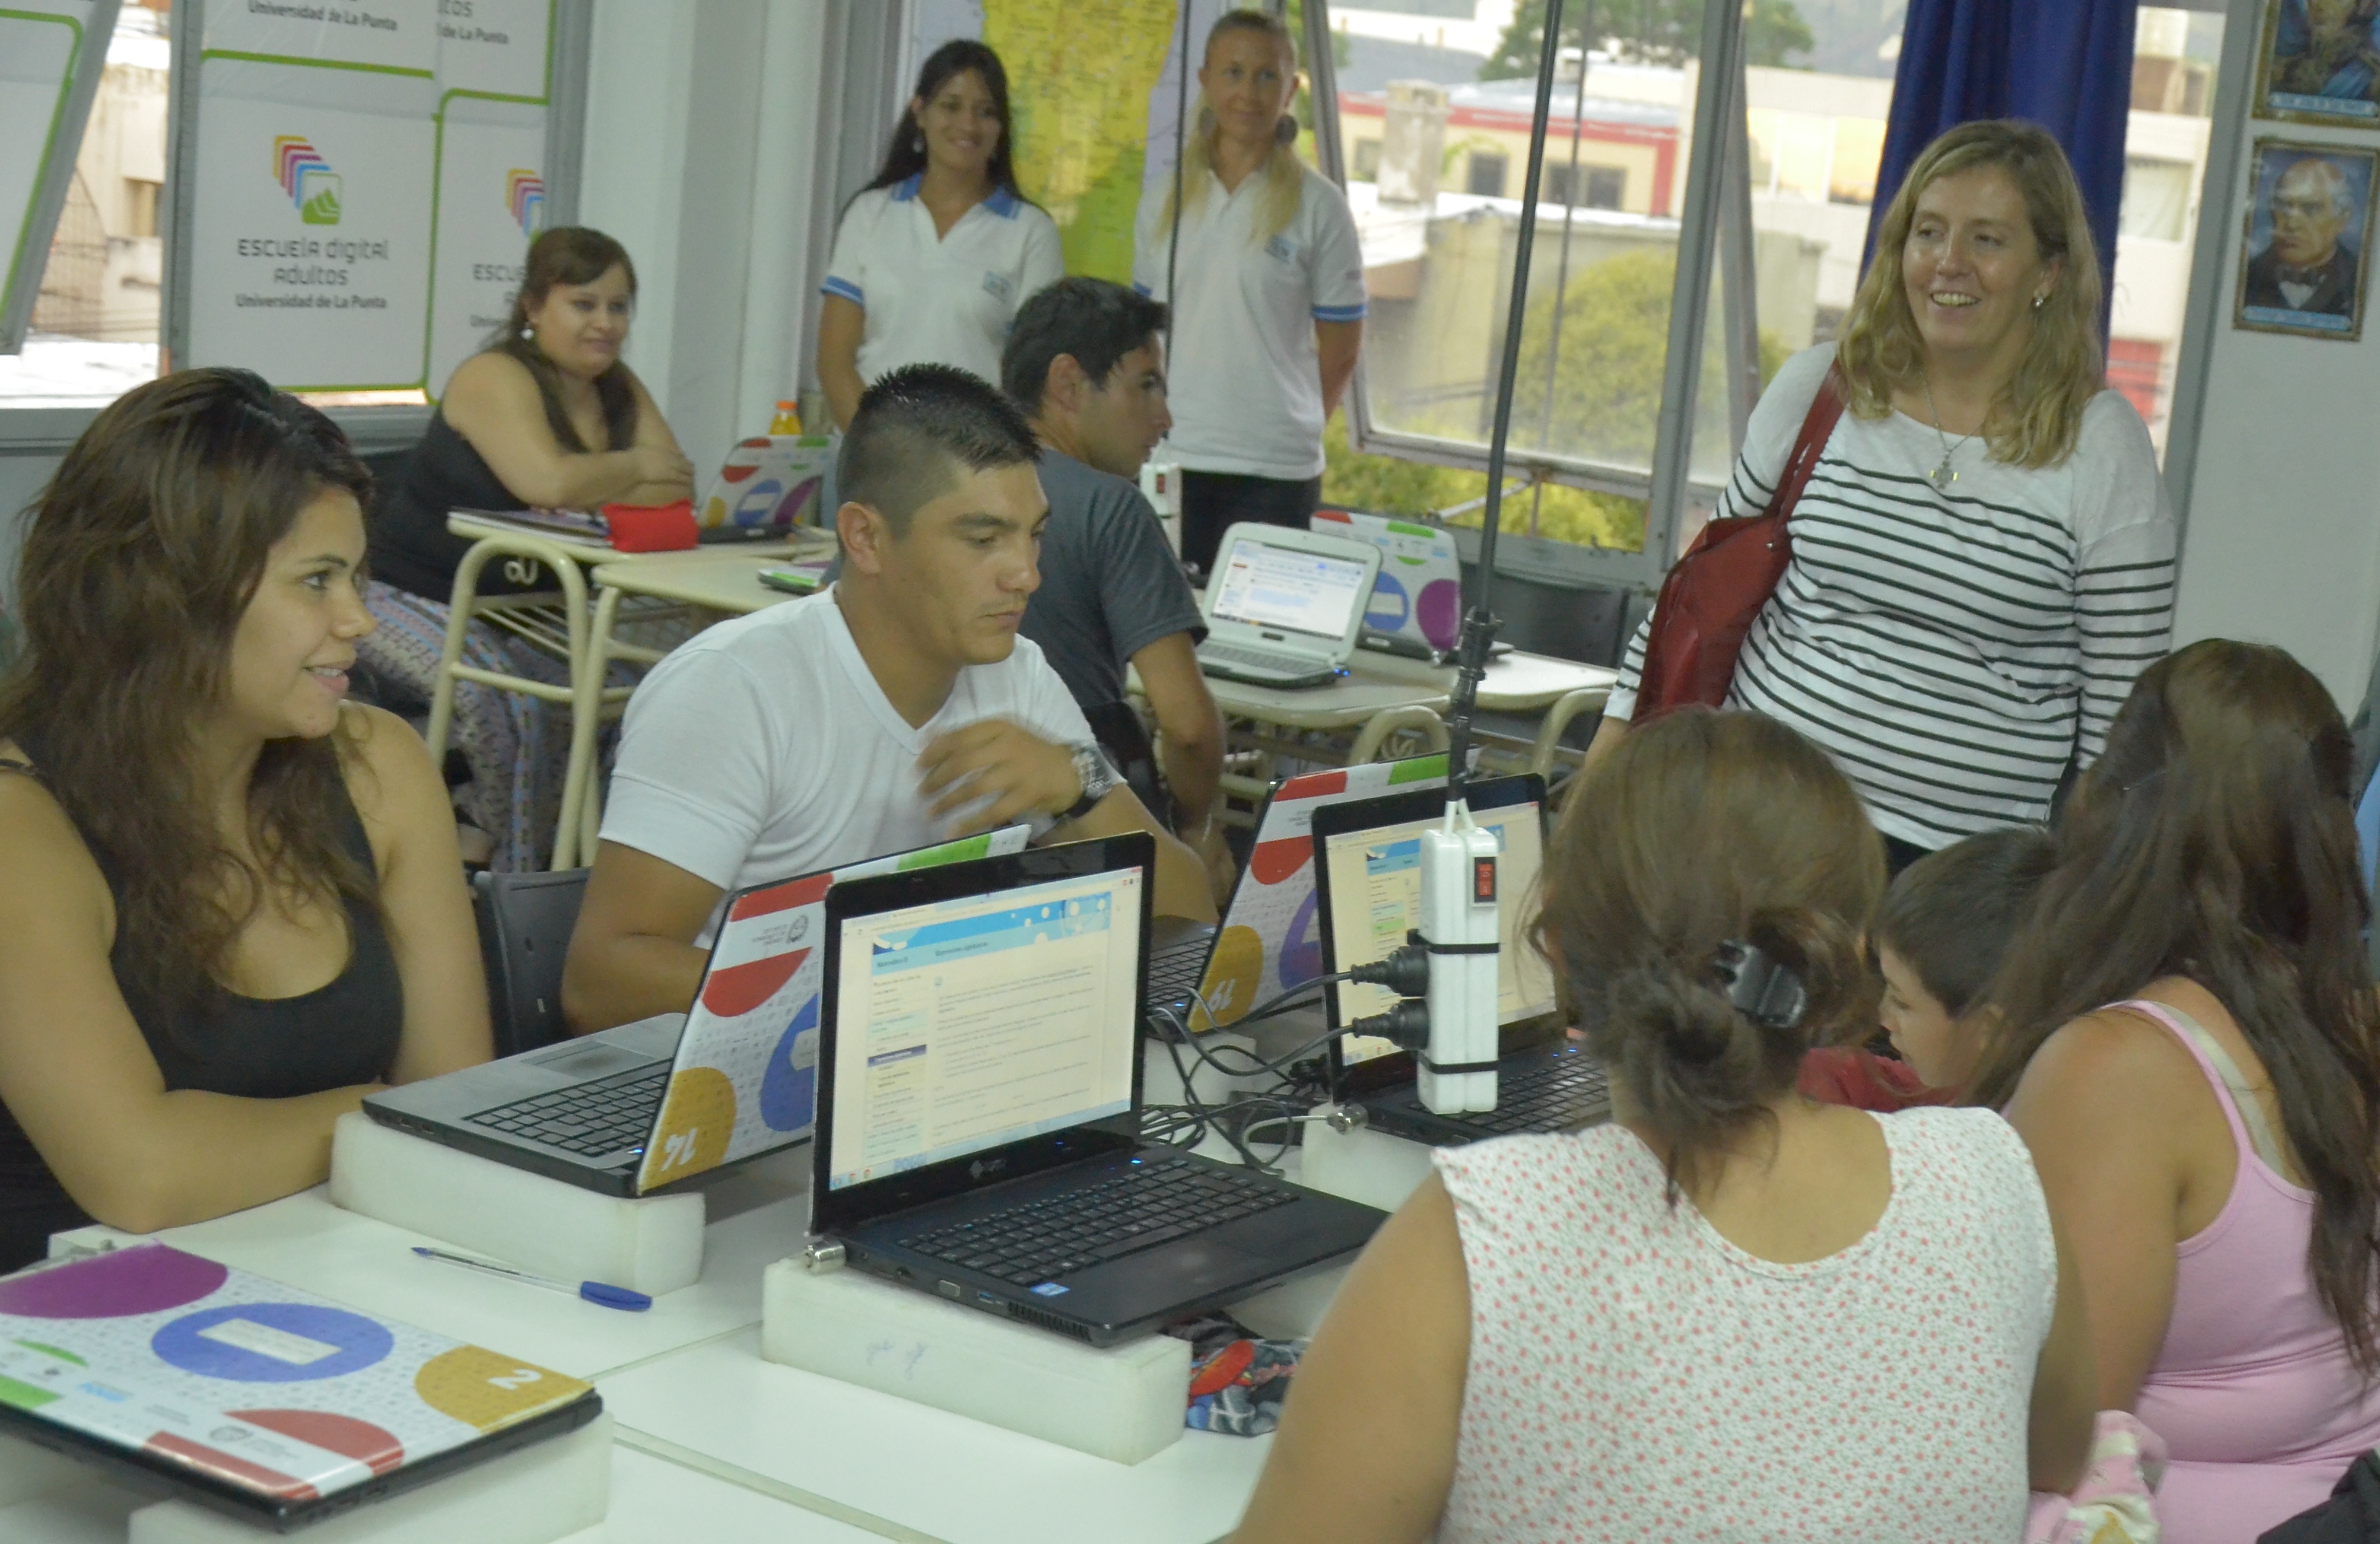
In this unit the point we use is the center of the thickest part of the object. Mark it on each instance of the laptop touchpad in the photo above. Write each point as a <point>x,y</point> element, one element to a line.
<point>585,1061</point>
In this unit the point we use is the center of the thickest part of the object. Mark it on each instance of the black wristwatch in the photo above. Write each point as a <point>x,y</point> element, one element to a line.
<point>1097,778</point>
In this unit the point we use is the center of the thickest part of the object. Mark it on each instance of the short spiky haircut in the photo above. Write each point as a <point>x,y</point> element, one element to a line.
<point>1953,914</point>
<point>1095,320</point>
<point>920,431</point>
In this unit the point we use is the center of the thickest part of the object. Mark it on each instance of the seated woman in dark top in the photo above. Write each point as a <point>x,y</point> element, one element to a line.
<point>546,415</point>
<point>230,901</point>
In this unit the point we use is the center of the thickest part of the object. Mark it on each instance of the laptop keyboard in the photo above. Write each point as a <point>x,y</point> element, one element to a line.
<point>1175,972</point>
<point>604,1115</point>
<point>1151,1203</point>
<point>1549,1097</point>
<point>1258,659</point>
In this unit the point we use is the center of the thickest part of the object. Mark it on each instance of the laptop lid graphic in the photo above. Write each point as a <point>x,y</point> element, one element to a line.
<point>1270,940</point>
<point>1368,895</point>
<point>1418,593</point>
<point>745,1080</point>
<point>981,1023</point>
<point>1289,591</point>
<point>774,481</point>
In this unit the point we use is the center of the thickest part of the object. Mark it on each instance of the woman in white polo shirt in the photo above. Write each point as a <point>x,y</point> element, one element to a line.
<point>935,256</point>
<point>1261,267</point>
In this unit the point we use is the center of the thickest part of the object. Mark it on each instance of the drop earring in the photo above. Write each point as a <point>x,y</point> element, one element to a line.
<point>917,142</point>
<point>528,333</point>
<point>2039,301</point>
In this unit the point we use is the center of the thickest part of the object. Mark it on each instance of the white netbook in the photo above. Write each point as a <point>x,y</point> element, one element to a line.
<point>1284,607</point>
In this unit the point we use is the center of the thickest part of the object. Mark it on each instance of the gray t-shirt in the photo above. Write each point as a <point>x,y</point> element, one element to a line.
<point>1109,586</point>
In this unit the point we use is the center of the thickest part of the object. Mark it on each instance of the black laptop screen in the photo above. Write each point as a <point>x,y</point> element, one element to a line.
<point>975,1021</point>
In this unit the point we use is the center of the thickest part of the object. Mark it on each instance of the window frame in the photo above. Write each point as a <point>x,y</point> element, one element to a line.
<point>1717,119</point>
<point>55,178</point>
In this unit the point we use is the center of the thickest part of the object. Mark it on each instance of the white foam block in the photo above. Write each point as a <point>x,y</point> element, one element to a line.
<point>1124,1404</point>
<point>652,1243</point>
<point>28,1470</point>
<point>543,1492</point>
<point>1363,1164</point>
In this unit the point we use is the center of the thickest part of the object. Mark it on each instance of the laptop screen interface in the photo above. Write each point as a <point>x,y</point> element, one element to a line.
<point>969,1024</point>
<point>1376,896</point>
<point>1265,586</point>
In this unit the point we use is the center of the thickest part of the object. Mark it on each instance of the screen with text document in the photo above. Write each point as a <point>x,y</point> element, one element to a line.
<point>969,1024</point>
<point>1376,896</point>
<point>1265,586</point>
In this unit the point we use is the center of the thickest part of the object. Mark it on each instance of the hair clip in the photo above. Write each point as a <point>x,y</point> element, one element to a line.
<point>1763,991</point>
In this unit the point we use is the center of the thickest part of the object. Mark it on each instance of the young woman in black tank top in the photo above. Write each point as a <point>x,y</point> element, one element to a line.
<point>230,903</point>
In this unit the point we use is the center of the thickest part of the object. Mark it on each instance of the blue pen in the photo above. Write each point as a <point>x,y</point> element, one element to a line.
<point>594,1291</point>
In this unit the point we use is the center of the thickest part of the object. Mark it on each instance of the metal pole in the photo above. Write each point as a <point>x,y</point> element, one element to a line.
<point>1562,266</point>
<point>1479,621</point>
<point>1673,440</point>
<point>1738,274</point>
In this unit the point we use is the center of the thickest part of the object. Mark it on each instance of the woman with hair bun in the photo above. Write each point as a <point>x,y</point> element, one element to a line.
<point>230,903</point>
<point>1732,1312</point>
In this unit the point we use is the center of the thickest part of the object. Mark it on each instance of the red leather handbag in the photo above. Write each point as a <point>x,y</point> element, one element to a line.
<point>1715,591</point>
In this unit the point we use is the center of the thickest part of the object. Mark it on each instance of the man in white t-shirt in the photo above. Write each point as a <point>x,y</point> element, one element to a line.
<point>895,710</point>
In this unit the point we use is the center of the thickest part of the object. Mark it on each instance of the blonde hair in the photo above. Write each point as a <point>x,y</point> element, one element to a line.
<point>1283,173</point>
<point>2039,414</point>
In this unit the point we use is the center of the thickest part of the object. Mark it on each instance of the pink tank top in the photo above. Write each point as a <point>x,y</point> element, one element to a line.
<point>2252,1390</point>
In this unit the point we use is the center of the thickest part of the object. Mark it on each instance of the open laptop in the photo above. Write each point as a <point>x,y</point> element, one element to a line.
<point>1210,977</point>
<point>1367,862</point>
<point>765,487</point>
<point>639,1106</point>
<point>979,1119</point>
<point>1284,607</point>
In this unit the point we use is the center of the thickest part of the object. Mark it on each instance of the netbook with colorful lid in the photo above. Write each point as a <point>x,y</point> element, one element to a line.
<point>979,1125</point>
<point>251,1398</point>
<point>1367,858</point>
<point>642,1105</point>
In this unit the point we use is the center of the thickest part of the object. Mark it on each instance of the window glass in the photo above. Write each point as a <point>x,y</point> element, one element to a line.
<point>2174,54</point>
<point>94,325</point>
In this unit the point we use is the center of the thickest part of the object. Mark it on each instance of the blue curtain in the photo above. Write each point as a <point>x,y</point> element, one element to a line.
<point>2065,64</point>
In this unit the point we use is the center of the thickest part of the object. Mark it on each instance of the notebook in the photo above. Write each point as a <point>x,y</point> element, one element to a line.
<point>251,1398</point>
<point>634,1108</point>
<point>1367,855</point>
<point>1284,607</point>
<point>979,1108</point>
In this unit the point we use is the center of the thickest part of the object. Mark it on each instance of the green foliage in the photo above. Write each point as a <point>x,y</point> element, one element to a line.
<point>1646,31</point>
<point>1389,485</point>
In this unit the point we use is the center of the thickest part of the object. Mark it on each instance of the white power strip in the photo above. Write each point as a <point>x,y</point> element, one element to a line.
<point>1459,921</point>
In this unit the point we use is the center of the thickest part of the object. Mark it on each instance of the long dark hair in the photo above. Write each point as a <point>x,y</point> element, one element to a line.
<point>144,555</point>
<point>905,157</point>
<point>2215,840</point>
<point>569,255</point>
<point>1702,828</point>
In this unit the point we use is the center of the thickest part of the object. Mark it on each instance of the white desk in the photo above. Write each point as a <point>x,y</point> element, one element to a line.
<point>306,1242</point>
<point>653,1502</point>
<point>912,1467</point>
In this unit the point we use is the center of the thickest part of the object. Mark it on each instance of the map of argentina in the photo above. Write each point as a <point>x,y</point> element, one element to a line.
<point>1092,95</point>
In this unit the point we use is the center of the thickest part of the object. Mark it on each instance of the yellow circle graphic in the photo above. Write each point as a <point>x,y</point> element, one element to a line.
<point>482,1388</point>
<point>696,1119</point>
<point>1232,977</point>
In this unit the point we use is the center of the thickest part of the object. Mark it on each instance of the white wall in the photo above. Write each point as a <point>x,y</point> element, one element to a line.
<point>2283,544</point>
<point>702,131</point>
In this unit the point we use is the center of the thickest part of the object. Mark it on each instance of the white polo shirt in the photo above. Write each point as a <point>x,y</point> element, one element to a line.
<point>1244,383</point>
<point>947,299</point>
<point>762,749</point>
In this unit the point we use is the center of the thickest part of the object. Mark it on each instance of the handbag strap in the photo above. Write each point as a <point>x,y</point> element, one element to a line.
<point>1817,428</point>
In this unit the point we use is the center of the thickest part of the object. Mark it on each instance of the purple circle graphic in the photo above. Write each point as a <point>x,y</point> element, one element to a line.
<point>272,1342</point>
<point>1390,605</point>
<point>148,1279</point>
<point>789,1094</point>
<point>1301,947</point>
<point>1441,612</point>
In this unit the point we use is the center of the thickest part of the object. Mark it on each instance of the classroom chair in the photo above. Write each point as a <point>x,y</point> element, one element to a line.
<point>525,923</point>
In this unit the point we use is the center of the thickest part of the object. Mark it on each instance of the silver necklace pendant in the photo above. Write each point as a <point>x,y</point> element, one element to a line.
<point>1942,476</point>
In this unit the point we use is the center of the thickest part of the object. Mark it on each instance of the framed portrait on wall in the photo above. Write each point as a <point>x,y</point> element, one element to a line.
<point>2308,231</point>
<point>2319,62</point>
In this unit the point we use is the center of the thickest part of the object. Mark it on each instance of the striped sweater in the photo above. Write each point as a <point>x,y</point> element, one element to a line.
<point>1952,649</point>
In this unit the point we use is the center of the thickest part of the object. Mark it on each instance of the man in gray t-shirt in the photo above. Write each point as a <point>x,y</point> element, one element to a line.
<point>1085,362</point>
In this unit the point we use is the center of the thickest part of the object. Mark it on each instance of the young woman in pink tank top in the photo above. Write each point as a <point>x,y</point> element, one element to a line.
<point>2191,1046</point>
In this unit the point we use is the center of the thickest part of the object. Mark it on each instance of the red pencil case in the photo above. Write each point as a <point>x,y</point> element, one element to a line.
<point>660,528</point>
